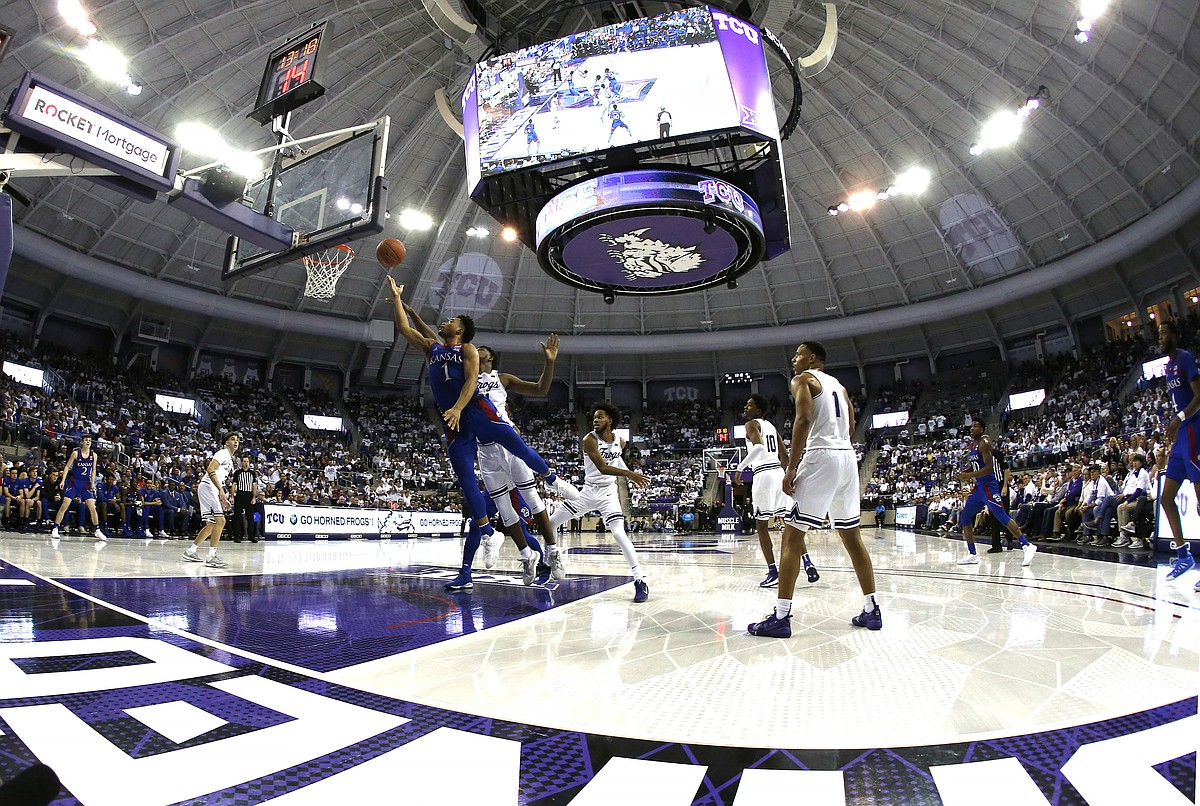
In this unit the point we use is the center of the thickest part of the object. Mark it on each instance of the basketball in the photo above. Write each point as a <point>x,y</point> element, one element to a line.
<point>390,252</point>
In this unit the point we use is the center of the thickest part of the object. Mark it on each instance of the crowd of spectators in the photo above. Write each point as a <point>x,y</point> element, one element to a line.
<point>400,460</point>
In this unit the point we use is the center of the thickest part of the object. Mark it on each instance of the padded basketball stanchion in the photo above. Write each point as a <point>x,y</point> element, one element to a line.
<point>325,268</point>
<point>6,236</point>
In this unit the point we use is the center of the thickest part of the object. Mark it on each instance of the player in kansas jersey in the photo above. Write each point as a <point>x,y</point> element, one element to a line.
<point>618,122</point>
<point>602,464</point>
<point>766,456</point>
<point>80,475</point>
<point>822,478</point>
<point>986,493</point>
<point>469,419</point>
<point>1183,432</point>
<point>505,474</point>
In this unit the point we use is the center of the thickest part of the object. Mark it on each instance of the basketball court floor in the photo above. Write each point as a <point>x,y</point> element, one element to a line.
<point>342,672</point>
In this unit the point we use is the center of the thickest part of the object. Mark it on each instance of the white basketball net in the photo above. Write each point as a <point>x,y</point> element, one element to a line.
<point>324,269</point>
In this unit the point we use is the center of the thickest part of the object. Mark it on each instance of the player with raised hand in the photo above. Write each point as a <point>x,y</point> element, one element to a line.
<point>469,418</point>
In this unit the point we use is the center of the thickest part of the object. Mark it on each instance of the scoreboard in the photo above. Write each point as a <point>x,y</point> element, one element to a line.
<point>295,75</point>
<point>723,436</point>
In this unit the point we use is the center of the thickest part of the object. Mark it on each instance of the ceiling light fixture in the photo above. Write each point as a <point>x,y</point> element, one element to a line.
<point>909,183</point>
<point>204,140</point>
<point>415,220</point>
<point>508,234</point>
<point>1004,128</point>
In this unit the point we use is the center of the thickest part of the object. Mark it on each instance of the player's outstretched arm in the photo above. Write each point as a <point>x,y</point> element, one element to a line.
<point>419,324</point>
<point>410,335</point>
<point>542,387</point>
<point>592,448</point>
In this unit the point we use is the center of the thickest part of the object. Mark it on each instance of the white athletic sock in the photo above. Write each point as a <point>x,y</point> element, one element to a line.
<point>869,603</point>
<point>526,553</point>
<point>783,608</point>
<point>636,570</point>
<point>617,528</point>
<point>191,549</point>
<point>212,552</point>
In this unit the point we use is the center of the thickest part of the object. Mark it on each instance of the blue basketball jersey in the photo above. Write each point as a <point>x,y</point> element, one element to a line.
<point>446,375</point>
<point>81,469</point>
<point>977,465</point>
<point>1180,372</point>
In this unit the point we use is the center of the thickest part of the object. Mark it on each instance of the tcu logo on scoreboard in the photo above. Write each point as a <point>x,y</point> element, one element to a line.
<point>716,190</point>
<point>728,23</point>
<point>468,90</point>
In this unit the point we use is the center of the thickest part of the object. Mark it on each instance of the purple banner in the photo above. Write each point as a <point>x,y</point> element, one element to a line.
<point>741,45</point>
<point>470,120</point>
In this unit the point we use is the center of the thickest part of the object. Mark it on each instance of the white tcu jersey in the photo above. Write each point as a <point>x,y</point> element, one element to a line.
<point>763,455</point>
<point>491,388</point>
<point>611,453</point>
<point>830,429</point>
<point>224,467</point>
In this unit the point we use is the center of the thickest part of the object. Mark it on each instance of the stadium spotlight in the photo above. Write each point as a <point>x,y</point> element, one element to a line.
<point>415,219</point>
<point>105,61</point>
<point>134,88</point>
<point>508,234</point>
<point>833,211</point>
<point>862,200</point>
<point>1083,24</point>
<point>609,296</point>
<point>1082,36</point>
<point>1092,8</point>
<point>201,139</point>
<point>1003,128</point>
<point>911,182</point>
<point>76,16</point>
<point>477,232</point>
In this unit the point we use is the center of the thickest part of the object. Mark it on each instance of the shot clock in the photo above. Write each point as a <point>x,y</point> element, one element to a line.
<point>294,76</point>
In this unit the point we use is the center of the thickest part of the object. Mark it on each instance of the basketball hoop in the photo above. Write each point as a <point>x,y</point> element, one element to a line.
<point>324,270</point>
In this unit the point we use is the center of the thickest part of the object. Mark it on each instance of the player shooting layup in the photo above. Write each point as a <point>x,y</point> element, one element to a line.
<point>469,419</point>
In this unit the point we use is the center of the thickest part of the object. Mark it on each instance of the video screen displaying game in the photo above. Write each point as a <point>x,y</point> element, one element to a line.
<point>647,79</point>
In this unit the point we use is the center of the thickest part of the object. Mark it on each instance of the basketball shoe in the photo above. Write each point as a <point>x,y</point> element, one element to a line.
<point>872,620</point>
<point>1182,565</point>
<point>772,627</point>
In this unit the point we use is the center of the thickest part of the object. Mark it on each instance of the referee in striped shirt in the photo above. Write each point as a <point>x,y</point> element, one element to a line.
<point>245,495</point>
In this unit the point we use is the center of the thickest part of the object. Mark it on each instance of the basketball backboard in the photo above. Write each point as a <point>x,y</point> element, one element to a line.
<point>333,193</point>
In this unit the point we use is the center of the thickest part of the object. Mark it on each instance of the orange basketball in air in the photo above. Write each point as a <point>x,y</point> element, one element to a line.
<point>390,252</point>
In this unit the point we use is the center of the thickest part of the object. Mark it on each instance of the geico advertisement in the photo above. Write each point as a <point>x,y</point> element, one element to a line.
<point>344,521</point>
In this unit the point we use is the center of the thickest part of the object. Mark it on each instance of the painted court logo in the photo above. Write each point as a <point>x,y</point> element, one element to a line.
<point>645,258</point>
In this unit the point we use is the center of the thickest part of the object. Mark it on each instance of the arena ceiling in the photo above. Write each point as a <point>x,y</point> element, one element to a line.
<point>1096,209</point>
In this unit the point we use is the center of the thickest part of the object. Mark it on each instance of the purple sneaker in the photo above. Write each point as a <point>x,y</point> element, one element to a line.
<point>772,627</point>
<point>772,579</point>
<point>811,570</point>
<point>872,620</point>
